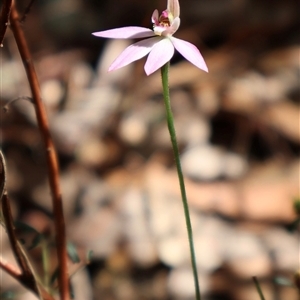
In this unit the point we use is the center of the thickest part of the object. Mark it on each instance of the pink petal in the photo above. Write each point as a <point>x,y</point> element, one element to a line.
<point>155,16</point>
<point>190,52</point>
<point>133,53</point>
<point>130,32</point>
<point>173,7</point>
<point>160,54</point>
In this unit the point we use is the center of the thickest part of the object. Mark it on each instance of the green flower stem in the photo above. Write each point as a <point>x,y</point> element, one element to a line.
<point>258,288</point>
<point>46,263</point>
<point>170,120</point>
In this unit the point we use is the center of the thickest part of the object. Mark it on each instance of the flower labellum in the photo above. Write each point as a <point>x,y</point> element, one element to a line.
<point>159,43</point>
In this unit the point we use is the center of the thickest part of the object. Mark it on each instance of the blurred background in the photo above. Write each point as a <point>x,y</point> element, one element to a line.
<point>238,132</point>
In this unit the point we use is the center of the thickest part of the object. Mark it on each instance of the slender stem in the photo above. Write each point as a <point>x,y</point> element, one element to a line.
<point>52,162</point>
<point>2,175</point>
<point>26,271</point>
<point>4,17</point>
<point>20,258</point>
<point>46,261</point>
<point>10,269</point>
<point>170,120</point>
<point>258,288</point>
<point>26,275</point>
<point>16,274</point>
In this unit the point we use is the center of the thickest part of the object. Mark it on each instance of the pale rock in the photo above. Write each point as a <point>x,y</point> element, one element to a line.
<point>208,100</point>
<point>97,231</point>
<point>284,118</point>
<point>136,229</point>
<point>207,162</point>
<point>88,110</point>
<point>52,92</point>
<point>143,252</point>
<point>242,244</point>
<point>81,284</point>
<point>253,88</point>
<point>133,129</point>
<point>284,247</point>
<point>181,283</point>
<point>245,255</point>
<point>173,250</point>
<point>165,210</point>
<point>166,217</point>
<point>92,151</point>
<point>245,267</point>
<point>81,75</point>
<point>192,130</point>
<point>202,162</point>
<point>14,77</point>
<point>96,104</point>
<point>234,166</point>
<point>210,235</point>
<point>269,198</point>
<point>98,225</point>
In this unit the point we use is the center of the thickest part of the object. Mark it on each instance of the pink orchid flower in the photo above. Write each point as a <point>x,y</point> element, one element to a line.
<point>160,43</point>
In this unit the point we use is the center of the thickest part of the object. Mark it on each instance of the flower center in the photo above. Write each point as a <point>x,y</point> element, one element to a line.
<point>161,23</point>
<point>164,19</point>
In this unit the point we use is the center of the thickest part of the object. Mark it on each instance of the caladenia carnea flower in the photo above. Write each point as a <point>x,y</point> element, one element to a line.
<point>160,43</point>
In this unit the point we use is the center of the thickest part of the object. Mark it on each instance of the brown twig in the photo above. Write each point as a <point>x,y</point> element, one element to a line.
<point>10,269</point>
<point>26,275</point>
<point>2,175</point>
<point>27,10</point>
<point>4,17</point>
<point>15,273</point>
<point>51,157</point>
